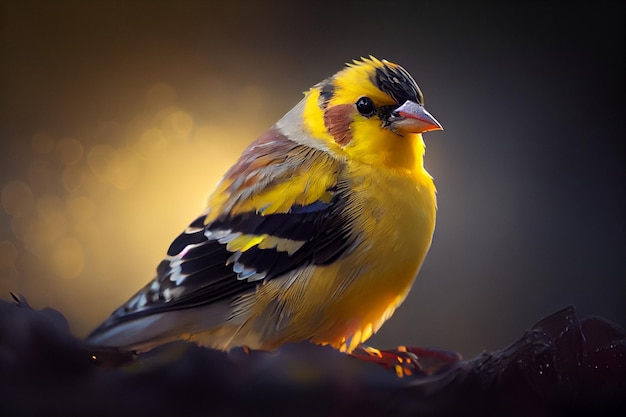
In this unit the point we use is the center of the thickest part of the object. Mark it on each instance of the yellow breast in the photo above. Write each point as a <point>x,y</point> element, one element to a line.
<point>397,217</point>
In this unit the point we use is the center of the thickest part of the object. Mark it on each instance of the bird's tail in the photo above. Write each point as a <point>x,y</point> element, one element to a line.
<point>142,332</point>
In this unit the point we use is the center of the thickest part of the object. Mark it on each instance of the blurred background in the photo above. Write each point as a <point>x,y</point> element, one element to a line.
<point>118,118</point>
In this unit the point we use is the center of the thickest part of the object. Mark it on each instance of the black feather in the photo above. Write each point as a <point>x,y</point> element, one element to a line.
<point>397,83</point>
<point>205,270</point>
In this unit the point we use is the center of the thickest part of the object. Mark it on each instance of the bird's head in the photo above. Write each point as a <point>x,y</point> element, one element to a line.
<point>373,111</point>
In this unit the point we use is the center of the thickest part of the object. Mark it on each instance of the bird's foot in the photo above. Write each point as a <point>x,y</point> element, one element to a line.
<point>406,361</point>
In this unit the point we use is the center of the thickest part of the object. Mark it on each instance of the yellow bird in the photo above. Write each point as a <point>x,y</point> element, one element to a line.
<point>316,233</point>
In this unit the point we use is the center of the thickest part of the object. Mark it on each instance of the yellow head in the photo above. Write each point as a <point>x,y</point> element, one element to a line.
<point>373,112</point>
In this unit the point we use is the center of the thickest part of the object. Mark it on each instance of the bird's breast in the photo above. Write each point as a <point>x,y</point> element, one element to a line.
<point>397,221</point>
<point>395,214</point>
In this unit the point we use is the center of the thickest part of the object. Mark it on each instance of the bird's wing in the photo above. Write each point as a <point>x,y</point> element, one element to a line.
<point>280,207</point>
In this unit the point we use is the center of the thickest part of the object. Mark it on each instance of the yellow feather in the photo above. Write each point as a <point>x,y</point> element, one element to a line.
<point>244,242</point>
<point>313,117</point>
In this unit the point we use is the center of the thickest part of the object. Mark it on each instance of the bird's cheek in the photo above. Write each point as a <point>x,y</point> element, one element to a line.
<point>337,120</point>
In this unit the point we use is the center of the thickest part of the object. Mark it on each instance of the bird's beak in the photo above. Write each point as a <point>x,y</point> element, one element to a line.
<point>412,117</point>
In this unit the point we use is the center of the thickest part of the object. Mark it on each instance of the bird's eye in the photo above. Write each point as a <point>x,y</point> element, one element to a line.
<point>365,106</point>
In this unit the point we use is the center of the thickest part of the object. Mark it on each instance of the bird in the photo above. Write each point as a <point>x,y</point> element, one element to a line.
<point>316,233</point>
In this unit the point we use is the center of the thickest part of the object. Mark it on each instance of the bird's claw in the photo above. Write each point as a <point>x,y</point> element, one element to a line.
<point>407,361</point>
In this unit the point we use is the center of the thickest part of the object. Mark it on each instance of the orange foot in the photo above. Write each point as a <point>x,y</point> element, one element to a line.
<point>407,361</point>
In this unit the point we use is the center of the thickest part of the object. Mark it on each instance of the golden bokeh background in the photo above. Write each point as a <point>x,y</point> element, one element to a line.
<point>118,118</point>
